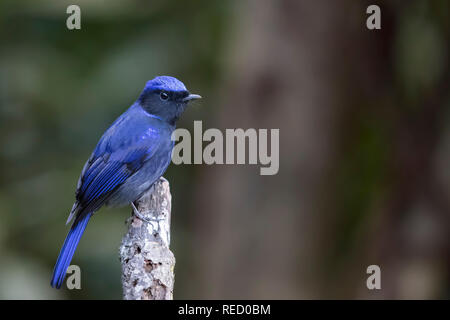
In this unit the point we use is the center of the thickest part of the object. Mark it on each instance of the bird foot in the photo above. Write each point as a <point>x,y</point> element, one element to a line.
<point>146,219</point>
<point>163,179</point>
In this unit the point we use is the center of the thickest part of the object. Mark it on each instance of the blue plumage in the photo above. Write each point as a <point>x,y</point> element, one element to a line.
<point>68,249</point>
<point>130,156</point>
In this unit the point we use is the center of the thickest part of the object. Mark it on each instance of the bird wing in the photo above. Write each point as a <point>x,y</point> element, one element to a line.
<point>113,161</point>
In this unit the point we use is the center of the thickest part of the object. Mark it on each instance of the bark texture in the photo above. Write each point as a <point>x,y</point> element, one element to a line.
<point>147,262</point>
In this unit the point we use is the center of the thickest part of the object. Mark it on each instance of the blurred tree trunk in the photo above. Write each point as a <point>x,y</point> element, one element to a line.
<point>354,156</point>
<point>263,233</point>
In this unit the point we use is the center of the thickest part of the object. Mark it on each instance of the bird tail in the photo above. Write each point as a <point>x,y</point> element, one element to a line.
<point>68,249</point>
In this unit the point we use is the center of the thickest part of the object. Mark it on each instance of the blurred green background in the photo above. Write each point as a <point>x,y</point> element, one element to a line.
<point>364,143</point>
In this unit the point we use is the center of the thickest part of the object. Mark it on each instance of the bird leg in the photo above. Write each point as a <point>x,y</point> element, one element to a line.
<point>163,179</point>
<point>146,219</point>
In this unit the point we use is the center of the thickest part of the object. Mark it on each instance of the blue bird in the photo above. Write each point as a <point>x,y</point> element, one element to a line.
<point>131,155</point>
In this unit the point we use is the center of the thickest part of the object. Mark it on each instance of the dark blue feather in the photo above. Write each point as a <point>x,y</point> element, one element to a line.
<point>68,249</point>
<point>129,157</point>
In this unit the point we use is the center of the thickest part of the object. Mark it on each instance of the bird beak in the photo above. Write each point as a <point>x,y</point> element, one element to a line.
<point>192,97</point>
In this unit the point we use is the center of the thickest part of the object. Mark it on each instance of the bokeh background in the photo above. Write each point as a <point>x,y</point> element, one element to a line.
<point>364,119</point>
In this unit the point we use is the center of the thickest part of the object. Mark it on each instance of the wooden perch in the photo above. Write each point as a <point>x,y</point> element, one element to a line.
<point>147,262</point>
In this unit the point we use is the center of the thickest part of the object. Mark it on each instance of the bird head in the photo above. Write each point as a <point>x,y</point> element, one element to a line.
<point>166,97</point>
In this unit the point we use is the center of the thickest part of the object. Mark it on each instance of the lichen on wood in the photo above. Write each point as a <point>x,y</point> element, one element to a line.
<point>147,262</point>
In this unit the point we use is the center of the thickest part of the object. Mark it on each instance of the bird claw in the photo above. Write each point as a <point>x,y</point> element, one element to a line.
<point>145,219</point>
<point>163,179</point>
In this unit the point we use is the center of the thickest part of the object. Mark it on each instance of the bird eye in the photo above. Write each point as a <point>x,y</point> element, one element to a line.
<point>163,95</point>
